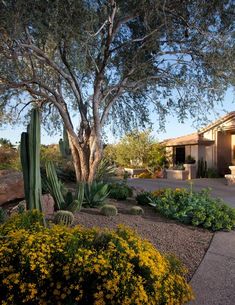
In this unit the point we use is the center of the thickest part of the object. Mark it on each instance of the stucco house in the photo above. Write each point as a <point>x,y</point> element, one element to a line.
<point>214,144</point>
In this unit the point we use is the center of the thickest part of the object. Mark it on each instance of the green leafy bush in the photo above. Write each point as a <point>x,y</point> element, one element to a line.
<point>61,265</point>
<point>212,173</point>
<point>144,198</point>
<point>196,208</point>
<point>95,194</point>
<point>120,191</point>
<point>109,210</point>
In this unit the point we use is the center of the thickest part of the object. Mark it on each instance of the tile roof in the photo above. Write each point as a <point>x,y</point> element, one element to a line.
<point>197,137</point>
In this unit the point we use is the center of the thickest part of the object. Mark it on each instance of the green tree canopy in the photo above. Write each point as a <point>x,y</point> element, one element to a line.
<point>113,61</point>
<point>137,149</point>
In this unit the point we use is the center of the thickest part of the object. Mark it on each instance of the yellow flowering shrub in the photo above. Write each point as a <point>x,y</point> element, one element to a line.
<point>61,265</point>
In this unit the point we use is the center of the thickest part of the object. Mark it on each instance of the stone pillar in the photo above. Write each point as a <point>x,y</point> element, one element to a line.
<point>192,171</point>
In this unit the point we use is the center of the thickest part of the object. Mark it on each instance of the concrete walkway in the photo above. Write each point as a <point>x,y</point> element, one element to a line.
<point>214,281</point>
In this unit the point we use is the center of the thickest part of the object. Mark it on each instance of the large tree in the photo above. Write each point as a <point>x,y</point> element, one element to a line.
<point>113,61</point>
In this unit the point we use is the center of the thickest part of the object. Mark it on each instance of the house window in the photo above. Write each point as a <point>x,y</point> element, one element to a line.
<point>179,154</point>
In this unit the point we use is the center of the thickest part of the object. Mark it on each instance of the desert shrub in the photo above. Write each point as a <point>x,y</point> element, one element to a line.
<point>9,159</point>
<point>109,210</point>
<point>136,210</point>
<point>120,191</point>
<point>30,220</point>
<point>95,194</point>
<point>61,265</point>
<point>212,173</point>
<point>144,197</point>
<point>196,208</point>
<point>145,175</point>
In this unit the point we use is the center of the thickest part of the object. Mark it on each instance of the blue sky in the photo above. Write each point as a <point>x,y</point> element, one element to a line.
<point>172,129</point>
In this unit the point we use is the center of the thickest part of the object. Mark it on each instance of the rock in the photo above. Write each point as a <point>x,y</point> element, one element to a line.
<point>11,186</point>
<point>47,205</point>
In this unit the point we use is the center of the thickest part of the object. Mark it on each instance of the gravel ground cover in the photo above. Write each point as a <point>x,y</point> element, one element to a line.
<point>186,242</point>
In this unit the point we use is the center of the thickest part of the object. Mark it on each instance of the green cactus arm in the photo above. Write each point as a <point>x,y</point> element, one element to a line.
<point>24,157</point>
<point>55,185</point>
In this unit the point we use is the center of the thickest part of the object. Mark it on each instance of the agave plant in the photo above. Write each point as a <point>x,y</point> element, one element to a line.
<point>95,193</point>
<point>104,171</point>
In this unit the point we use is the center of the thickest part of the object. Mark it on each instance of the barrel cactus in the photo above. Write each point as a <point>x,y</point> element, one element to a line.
<point>109,210</point>
<point>136,210</point>
<point>64,218</point>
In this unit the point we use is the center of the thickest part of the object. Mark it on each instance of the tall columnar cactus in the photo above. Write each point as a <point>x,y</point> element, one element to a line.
<point>30,160</point>
<point>64,145</point>
<point>64,200</point>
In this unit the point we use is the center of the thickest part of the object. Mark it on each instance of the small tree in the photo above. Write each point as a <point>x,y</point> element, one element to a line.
<point>132,150</point>
<point>138,149</point>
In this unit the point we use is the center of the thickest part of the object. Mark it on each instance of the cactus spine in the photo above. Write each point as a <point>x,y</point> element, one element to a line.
<point>30,160</point>
<point>64,217</point>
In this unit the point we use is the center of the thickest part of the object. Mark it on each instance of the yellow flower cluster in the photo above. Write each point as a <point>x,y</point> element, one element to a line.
<point>60,265</point>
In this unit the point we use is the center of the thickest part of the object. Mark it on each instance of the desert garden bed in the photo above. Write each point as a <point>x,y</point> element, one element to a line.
<point>185,242</point>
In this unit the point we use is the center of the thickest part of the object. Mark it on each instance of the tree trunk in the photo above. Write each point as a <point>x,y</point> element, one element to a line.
<point>86,158</point>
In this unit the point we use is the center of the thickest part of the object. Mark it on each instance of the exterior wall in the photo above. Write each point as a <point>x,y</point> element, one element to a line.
<point>169,152</point>
<point>223,152</point>
<point>233,149</point>
<point>219,155</point>
<point>210,152</point>
<point>193,151</point>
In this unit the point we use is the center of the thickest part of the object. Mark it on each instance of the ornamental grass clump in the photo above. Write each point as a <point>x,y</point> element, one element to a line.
<point>195,208</point>
<point>61,265</point>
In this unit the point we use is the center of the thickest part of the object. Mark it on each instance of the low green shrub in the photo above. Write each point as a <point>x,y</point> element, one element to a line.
<point>120,191</point>
<point>30,220</point>
<point>109,210</point>
<point>61,265</point>
<point>212,173</point>
<point>136,210</point>
<point>196,208</point>
<point>144,198</point>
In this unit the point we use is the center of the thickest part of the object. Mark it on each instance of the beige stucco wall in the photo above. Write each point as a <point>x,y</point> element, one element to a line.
<point>191,150</point>
<point>209,153</point>
<point>218,154</point>
<point>169,152</point>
